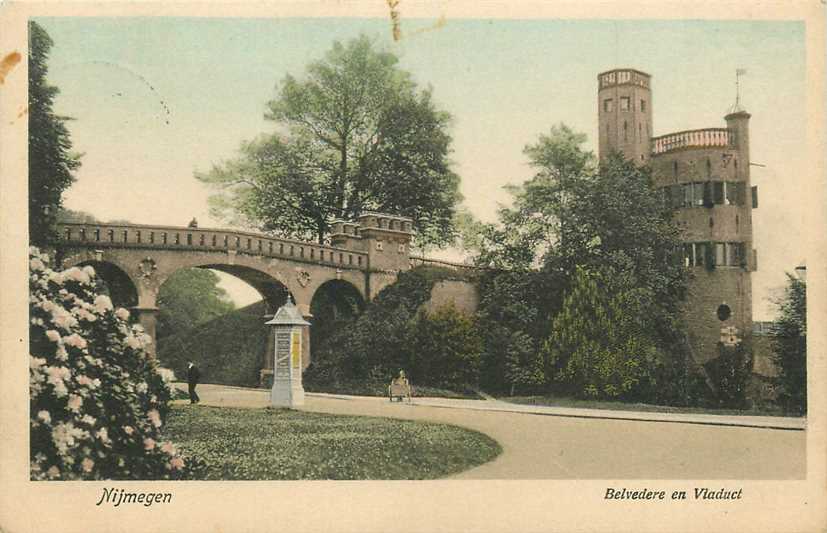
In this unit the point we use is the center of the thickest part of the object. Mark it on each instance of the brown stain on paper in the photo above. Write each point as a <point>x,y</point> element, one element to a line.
<point>395,17</point>
<point>396,21</point>
<point>20,115</point>
<point>7,64</point>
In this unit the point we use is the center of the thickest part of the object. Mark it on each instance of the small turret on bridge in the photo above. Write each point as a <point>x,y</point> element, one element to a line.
<point>385,238</point>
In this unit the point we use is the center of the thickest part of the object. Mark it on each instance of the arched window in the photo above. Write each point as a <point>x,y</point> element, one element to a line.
<point>675,169</point>
<point>708,168</point>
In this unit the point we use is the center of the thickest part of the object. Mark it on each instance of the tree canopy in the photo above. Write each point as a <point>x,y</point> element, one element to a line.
<point>355,134</point>
<point>789,342</point>
<point>573,221</point>
<point>51,160</point>
<point>188,298</point>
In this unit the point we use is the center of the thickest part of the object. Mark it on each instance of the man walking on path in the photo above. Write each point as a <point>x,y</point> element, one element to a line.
<point>192,380</point>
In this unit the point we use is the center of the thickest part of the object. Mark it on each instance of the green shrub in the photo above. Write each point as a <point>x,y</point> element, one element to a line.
<point>443,349</point>
<point>97,400</point>
<point>513,320</point>
<point>383,339</point>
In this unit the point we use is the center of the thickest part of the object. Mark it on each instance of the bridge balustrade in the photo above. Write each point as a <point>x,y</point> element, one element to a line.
<point>166,237</point>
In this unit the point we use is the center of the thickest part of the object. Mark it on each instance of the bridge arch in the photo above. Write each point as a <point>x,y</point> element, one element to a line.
<point>122,289</point>
<point>335,302</point>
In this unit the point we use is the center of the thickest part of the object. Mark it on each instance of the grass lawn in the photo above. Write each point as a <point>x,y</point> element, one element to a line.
<point>629,406</point>
<point>264,444</point>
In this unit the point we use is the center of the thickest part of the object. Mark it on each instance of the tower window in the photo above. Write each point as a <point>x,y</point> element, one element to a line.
<point>608,105</point>
<point>639,131</point>
<point>708,168</point>
<point>643,105</point>
<point>723,312</point>
<point>625,131</point>
<point>694,254</point>
<point>625,103</point>
<point>730,193</point>
<point>675,169</point>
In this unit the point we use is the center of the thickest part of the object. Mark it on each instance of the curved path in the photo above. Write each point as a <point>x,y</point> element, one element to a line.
<point>563,447</point>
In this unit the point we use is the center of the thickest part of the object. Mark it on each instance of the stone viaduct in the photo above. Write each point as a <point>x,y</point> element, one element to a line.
<point>135,260</point>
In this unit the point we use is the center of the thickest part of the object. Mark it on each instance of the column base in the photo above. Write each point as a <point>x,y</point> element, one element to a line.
<point>285,394</point>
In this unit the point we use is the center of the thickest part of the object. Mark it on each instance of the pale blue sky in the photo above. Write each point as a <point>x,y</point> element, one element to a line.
<point>156,98</point>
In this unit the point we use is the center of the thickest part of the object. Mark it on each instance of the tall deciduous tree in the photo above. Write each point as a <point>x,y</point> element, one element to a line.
<point>355,134</point>
<point>790,345</point>
<point>51,160</point>
<point>577,214</point>
<point>188,298</point>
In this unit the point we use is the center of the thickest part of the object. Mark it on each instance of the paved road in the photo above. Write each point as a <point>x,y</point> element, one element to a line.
<point>563,447</point>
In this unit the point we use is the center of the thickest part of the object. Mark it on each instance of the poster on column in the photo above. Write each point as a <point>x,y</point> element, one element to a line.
<point>283,355</point>
<point>296,349</point>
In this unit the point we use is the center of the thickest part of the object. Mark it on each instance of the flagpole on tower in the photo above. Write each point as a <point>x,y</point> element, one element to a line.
<point>738,73</point>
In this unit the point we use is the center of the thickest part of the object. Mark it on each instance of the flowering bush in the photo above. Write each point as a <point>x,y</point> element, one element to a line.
<point>97,400</point>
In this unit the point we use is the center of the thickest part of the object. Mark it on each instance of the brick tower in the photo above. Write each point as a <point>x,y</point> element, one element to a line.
<point>705,175</point>
<point>624,113</point>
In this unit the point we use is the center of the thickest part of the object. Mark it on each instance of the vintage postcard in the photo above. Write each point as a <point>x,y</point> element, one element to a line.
<point>388,265</point>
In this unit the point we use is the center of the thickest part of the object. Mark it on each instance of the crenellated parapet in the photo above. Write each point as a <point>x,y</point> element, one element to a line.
<point>384,238</point>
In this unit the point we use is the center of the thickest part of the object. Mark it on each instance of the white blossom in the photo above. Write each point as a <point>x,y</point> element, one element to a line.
<point>75,403</point>
<point>103,303</point>
<point>65,435</point>
<point>61,353</point>
<point>167,375</point>
<point>87,464</point>
<point>122,313</point>
<point>77,274</point>
<point>63,318</point>
<point>102,434</point>
<point>75,340</point>
<point>56,377</point>
<point>133,342</point>
<point>154,417</point>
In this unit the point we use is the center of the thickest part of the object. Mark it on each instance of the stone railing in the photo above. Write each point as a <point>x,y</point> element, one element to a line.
<point>212,240</point>
<point>708,137</point>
